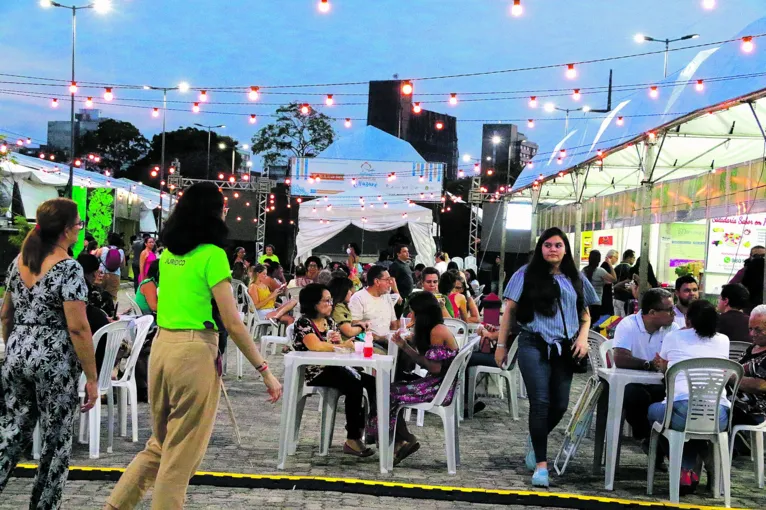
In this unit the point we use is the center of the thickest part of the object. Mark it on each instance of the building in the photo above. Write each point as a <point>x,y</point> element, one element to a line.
<point>503,146</point>
<point>391,111</point>
<point>59,131</point>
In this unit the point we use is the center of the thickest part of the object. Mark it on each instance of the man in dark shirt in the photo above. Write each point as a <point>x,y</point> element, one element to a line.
<point>401,271</point>
<point>621,293</point>
<point>733,321</point>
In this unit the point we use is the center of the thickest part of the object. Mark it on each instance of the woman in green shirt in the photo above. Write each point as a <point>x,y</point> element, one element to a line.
<point>341,290</point>
<point>185,367</point>
<point>146,297</point>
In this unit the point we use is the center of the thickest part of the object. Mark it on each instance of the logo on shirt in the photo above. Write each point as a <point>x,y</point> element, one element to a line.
<point>175,262</point>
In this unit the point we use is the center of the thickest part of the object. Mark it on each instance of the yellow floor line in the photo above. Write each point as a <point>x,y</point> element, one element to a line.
<point>381,483</point>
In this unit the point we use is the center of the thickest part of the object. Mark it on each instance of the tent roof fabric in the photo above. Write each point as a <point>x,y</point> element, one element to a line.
<point>372,144</point>
<point>697,131</point>
<point>376,213</point>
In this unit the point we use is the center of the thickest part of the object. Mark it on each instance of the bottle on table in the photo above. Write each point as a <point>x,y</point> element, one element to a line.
<point>367,352</point>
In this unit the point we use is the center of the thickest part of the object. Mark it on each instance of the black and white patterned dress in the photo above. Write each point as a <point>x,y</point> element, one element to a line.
<point>38,379</point>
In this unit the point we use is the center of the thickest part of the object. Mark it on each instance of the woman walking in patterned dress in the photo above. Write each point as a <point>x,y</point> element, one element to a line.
<point>48,340</point>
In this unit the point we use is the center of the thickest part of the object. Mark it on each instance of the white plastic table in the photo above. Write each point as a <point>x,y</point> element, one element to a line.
<point>295,363</point>
<point>618,379</point>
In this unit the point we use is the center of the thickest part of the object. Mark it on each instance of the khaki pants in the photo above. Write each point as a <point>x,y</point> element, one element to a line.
<point>184,389</point>
<point>111,284</point>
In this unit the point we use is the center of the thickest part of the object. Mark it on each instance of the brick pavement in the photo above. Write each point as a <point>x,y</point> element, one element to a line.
<point>492,448</point>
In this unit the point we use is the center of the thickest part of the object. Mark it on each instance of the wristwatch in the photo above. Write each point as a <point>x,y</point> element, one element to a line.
<point>647,365</point>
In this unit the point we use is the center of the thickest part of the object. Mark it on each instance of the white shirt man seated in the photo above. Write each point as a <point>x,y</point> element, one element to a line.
<point>374,304</point>
<point>637,343</point>
<point>687,290</point>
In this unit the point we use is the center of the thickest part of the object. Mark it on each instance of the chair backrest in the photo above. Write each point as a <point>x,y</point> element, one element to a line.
<point>707,379</point>
<point>459,330</point>
<point>143,325</point>
<point>595,341</point>
<point>458,261</point>
<point>470,263</point>
<point>326,261</point>
<point>134,308</point>
<point>455,371</point>
<point>113,334</point>
<point>293,294</point>
<point>737,350</point>
<point>605,354</point>
<point>480,291</point>
<point>510,359</point>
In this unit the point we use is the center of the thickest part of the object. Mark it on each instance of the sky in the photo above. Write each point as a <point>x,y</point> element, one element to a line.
<point>242,43</point>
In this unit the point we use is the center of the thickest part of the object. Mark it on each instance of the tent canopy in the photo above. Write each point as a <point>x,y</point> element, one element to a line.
<point>312,233</point>
<point>696,131</point>
<point>372,144</point>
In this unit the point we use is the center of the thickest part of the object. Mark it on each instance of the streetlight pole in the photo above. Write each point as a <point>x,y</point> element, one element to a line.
<point>209,133</point>
<point>640,38</point>
<point>100,6</point>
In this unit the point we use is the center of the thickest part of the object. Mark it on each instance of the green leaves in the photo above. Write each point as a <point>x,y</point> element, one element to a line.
<point>119,144</point>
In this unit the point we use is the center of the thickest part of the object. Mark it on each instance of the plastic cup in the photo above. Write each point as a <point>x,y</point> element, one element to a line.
<point>359,347</point>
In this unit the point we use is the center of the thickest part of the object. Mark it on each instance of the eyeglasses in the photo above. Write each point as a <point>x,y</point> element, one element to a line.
<point>326,301</point>
<point>459,288</point>
<point>312,265</point>
<point>80,224</point>
<point>668,310</point>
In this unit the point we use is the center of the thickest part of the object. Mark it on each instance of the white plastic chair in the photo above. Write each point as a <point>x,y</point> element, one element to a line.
<point>605,354</point>
<point>737,350</point>
<point>113,334</point>
<point>707,379</point>
<point>449,412</point>
<point>510,375</point>
<point>328,406</point>
<point>756,447</point>
<point>127,383</point>
<point>470,263</point>
<point>271,341</point>
<point>459,330</point>
<point>595,341</point>
<point>458,261</point>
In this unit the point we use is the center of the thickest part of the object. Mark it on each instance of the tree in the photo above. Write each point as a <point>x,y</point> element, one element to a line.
<point>119,144</point>
<point>293,135</point>
<point>189,146</point>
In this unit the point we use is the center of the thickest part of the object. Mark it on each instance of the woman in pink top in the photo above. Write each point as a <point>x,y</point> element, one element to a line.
<point>147,257</point>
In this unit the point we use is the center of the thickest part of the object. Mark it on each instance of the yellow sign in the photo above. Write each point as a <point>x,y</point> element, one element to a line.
<point>586,245</point>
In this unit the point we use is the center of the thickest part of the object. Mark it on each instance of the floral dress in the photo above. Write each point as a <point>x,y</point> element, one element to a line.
<point>39,377</point>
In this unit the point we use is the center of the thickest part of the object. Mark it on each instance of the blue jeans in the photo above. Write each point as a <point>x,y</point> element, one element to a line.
<point>693,448</point>
<point>548,380</point>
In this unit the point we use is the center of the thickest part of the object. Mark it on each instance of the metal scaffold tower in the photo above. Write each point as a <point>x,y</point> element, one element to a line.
<point>475,199</point>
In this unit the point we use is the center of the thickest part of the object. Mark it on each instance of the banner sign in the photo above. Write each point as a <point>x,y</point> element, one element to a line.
<point>420,182</point>
<point>687,244</point>
<point>731,239</point>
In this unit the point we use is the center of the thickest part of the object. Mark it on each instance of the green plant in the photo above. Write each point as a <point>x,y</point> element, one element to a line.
<point>100,213</point>
<point>23,226</point>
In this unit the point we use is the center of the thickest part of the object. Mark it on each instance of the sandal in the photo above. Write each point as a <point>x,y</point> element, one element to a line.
<point>405,451</point>
<point>350,451</point>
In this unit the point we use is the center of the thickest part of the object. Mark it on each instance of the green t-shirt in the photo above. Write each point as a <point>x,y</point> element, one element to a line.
<point>265,257</point>
<point>185,300</point>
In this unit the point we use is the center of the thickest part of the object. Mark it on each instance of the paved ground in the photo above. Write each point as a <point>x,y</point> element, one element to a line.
<point>492,447</point>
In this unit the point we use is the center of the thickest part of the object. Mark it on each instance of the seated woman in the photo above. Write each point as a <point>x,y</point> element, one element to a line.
<point>434,349</point>
<point>341,289</point>
<point>264,298</point>
<point>698,340</point>
<point>456,303</point>
<point>146,297</point>
<point>472,281</point>
<point>461,287</point>
<point>315,331</point>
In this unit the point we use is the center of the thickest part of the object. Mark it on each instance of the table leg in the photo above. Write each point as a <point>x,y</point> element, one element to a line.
<point>598,442</point>
<point>614,417</point>
<point>289,400</point>
<point>383,394</point>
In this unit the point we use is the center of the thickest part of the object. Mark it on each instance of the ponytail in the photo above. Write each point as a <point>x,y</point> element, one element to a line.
<point>53,218</point>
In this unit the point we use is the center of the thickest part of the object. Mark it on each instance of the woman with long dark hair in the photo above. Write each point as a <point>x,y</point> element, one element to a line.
<point>48,345</point>
<point>240,265</point>
<point>549,300</point>
<point>185,367</point>
<point>341,289</point>
<point>597,276</point>
<point>433,347</point>
<point>698,340</point>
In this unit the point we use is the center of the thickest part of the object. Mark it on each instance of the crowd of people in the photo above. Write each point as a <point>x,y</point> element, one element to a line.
<point>54,304</point>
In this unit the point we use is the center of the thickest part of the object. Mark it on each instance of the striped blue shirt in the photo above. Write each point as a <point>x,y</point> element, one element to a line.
<point>552,328</point>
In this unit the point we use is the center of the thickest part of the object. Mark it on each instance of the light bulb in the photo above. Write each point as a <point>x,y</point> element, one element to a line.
<point>576,95</point>
<point>89,103</point>
<point>416,108</point>
<point>184,87</point>
<point>329,101</point>
<point>108,95</point>
<point>476,168</point>
<point>195,108</point>
<point>654,92</point>
<point>533,102</point>
<point>253,95</point>
<point>460,174</point>
<point>324,6</point>
<point>407,88</point>
<point>203,96</point>
<point>549,107</point>
<point>73,87</point>
<point>156,112</point>
<point>563,153</point>
<point>102,6</point>
<point>639,38</point>
<point>747,44</point>
<point>586,108</point>
<point>516,9</point>
<point>571,71</point>
<point>347,123</point>
<point>29,141</point>
<point>439,125</point>
<point>620,121</point>
<point>453,99</point>
<point>305,109</point>
<point>54,103</point>
<point>700,86</point>
<point>708,4</point>
<point>531,123</point>
<point>253,118</point>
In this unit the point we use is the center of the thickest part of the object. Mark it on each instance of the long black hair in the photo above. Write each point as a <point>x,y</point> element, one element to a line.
<point>428,315</point>
<point>594,259</point>
<point>540,288</point>
<point>54,217</point>
<point>339,287</point>
<point>703,318</point>
<point>196,219</point>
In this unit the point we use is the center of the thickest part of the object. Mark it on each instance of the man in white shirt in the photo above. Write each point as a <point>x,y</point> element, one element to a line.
<point>687,291</point>
<point>441,262</point>
<point>374,304</point>
<point>637,343</point>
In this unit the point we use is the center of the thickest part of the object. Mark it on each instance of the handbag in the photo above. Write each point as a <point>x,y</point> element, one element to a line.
<point>578,365</point>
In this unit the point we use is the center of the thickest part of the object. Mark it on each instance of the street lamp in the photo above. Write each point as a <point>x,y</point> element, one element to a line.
<point>234,148</point>
<point>182,87</point>
<point>641,38</point>
<point>550,107</point>
<point>100,6</point>
<point>209,131</point>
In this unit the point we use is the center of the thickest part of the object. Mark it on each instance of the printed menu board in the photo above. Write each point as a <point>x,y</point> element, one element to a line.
<point>731,239</point>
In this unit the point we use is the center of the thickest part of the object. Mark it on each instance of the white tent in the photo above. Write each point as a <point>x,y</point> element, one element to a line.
<point>318,225</point>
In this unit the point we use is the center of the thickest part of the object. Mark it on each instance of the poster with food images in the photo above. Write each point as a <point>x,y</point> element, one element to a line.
<point>731,239</point>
